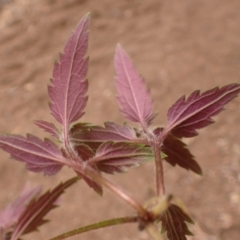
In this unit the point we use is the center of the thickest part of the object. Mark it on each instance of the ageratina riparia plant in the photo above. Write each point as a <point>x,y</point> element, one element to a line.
<point>93,151</point>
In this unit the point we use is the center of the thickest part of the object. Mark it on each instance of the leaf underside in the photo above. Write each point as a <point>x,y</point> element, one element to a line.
<point>177,153</point>
<point>84,151</point>
<point>48,127</point>
<point>133,96</point>
<point>37,154</point>
<point>110,148</point>
<point>195,112</point>
<point>174,223</point>
<point>118,157</point>
<point>94,136</point>
<point>92,184</point>
<point>69,84</point>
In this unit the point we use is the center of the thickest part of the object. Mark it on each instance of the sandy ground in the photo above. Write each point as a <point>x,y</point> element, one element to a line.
<point>178,46</point>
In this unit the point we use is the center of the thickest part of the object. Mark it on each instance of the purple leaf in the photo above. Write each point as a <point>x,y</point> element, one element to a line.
<point>37,154</point>
<point>173,221</point>
<point>195,112</point>
<point>10,215</point>
<point>94,136</point>
<point>48,127</point>
<point>84,151</point>
<point>134,98</point>
<point>69,85</point>
<point>118,157</point>
<point>92,184</point>
<point>111,169</point>
<point>34,214</point>
<point>177,153</point>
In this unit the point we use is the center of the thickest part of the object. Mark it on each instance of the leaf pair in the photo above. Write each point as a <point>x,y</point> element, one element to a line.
<point>110,151</point>
<point>184,117</point>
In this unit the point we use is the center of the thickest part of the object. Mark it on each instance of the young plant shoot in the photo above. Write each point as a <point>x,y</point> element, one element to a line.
<point>93,151</point>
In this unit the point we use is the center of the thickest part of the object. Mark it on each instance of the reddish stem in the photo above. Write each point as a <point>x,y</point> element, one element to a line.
<point>115,189</point>
<point>155,142</point>
<point>159,170</point>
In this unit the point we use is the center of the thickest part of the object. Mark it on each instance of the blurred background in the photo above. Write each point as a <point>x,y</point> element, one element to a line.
<point>178,46</point>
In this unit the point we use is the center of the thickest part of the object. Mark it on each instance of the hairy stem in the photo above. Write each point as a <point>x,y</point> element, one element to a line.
<point>95,176</point>
<point>159,170</point>
<point>103,224</point>
<point>115,189</point>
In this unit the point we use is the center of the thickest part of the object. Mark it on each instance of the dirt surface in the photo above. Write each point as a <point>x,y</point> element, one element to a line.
<point>178,46</point>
